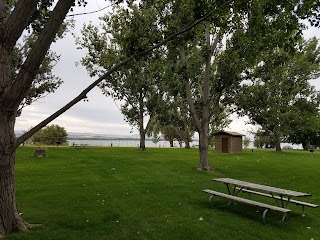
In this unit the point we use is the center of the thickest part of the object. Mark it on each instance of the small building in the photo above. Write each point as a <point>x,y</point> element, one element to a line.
<point>228,142</point>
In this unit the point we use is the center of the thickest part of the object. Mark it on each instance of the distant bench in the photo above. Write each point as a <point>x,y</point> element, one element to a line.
<point>79,145</point>
<point>250,202</point>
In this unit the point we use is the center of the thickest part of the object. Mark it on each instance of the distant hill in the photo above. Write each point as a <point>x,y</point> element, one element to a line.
<point>79,135</point>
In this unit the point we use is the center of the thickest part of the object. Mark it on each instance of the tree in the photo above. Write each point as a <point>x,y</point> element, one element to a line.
<point>137,85</point>
<point>246,142</point>
<point>263,139</point>
<point>50,135</point>
<point>173,120</point>
<point>275,89</point>
<point>15,17</point>
<point>306,129</point>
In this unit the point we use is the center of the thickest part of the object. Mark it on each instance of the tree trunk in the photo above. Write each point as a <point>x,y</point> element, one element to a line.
<point>142,145</point>
<point>278,145</point>
<point>141,123</point>
<point>186,131</point>
<point>10,220</point>
<point>204,130</point>
<point>305,145</point>
<point>203,151</point>
<point>171,142</point>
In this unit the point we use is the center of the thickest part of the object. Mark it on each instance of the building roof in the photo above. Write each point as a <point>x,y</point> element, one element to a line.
<point>228,133</point>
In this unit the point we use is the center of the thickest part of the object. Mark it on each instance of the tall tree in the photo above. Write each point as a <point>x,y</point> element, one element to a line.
<point>306,129</point>
<point>275,89</point>
<point>15,17</point>
<point>137,85</point>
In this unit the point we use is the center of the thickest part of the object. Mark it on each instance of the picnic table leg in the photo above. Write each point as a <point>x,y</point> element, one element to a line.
<point>264,216</point>
<point>284,216</point>
<point>230,201</point>
<point>285,205</point>
<point>303,215</point>
<point>210,204</point>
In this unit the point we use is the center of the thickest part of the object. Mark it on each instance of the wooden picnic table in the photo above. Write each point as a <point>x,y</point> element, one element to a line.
<point>248,185</point>
<point>283,196</point>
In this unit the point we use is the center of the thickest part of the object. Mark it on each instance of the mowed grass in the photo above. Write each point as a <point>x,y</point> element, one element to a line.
<point>122,193</point>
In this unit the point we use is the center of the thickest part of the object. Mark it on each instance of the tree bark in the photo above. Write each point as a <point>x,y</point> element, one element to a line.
<point>186,131</point>
<point>305,146</point>
<point>10,220</point>
<point>171,142</point>
<point>203,150</point>
<point>16,23</point>
<point>141,123</point>
<point>278,145</point>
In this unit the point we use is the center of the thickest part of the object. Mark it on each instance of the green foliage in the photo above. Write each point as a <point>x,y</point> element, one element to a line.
<point>50,135</point>
<point>174,121</point>
<point>45,81</point>
<point>125,32</point>
<point>263,139</point>
<point>276,94</point>
<point>246,142</point>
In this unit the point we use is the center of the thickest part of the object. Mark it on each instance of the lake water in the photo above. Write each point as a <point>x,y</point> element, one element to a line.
<point>149,143</point>
<point>124,143</point>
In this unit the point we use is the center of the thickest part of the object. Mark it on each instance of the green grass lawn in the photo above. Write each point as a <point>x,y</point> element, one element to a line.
<point>122,193</point>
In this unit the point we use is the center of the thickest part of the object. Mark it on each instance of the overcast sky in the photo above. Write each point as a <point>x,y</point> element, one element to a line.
<point>100,114</point>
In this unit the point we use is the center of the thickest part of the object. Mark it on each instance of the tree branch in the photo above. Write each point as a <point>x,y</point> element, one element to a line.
<point>83,94</point>
<point>192,108</point>
<point>31,65</point>
<point>153,113</point>
<point>17,21</point>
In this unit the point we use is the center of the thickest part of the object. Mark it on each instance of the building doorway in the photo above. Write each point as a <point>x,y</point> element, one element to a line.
<point>225,145</point>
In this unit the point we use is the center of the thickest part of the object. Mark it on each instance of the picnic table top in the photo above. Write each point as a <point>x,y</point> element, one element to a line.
<point>248,185</point>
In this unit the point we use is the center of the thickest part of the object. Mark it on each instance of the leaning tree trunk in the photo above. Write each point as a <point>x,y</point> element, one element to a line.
<point>10,220</point>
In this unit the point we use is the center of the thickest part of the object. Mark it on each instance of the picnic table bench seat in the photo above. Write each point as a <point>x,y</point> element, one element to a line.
<point>298,203</point>
<point>250,202</point>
